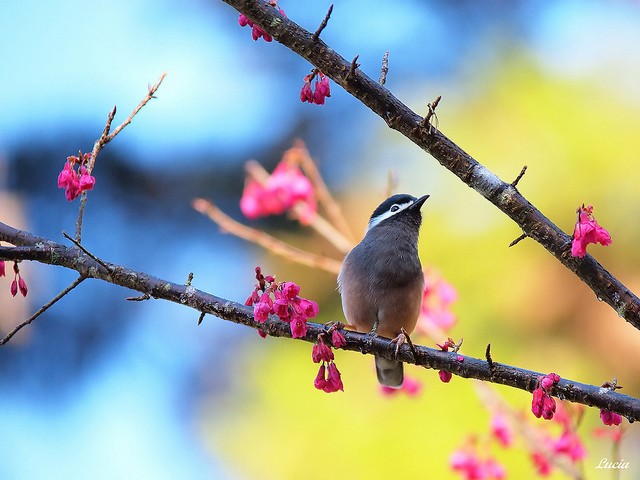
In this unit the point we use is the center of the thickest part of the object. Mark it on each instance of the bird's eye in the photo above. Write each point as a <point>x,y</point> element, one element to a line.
<point>394,208</point>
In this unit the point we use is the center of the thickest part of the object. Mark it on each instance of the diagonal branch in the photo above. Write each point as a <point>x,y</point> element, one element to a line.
<point>46,251</point>
<point>42,309</point>
<point>401,118</point>
<point>265,240</point>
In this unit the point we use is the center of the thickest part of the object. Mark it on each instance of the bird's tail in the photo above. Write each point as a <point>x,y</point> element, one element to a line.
<point>390,372</point>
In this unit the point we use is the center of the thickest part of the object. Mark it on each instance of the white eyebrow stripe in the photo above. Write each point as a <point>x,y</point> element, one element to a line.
<point>375,221</point>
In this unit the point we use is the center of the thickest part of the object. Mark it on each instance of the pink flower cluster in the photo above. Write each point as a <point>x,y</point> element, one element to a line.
<point>444,375</point>
<point>543,405</point>
<point>320,91</point>
<point>471,465</point>
<point>568,444</point>
<point>18,283</point>
<point>610,418</point>
<point>587,231</point>
<point>500,430</point>
<point>75,182</point>
<point>257,31</point>
<point>281,299</point>
<point>437,298</point>
<point>285,188</point>
<point>328,378</point>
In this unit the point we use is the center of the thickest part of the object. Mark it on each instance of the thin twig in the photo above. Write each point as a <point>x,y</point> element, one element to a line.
<point>384,69</point>
<point>79,245</point>
<point>431,114</point>
<point>105,138</point>
<point>201,317</point>
<point>42,309</point>
<point>140,298</point>
<point>322,26</point>
<point>487,356</point>
<point>258,237</point>
<point>520,175</point>
<point>518,240</point>
<point>353,67</point>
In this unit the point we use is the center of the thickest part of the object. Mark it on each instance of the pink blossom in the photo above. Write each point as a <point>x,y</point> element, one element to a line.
<point>252,299</point>
<point>549,381</point>
<point>320,381</point>
<point>2,268</point>
<point>501,430</point>
<point>548,407</point>
<point>614,434</point>
<point>244,21</point>
<point>284,189</point>
<point>445,376</point>
<point>587,231</point>
<point>466,463</point>
<point>570,444</point>
<point>337,339</point>
<point>334,382</point>
<point>250,201</point>
<point>541,464</point>
<point>298,327</point>
<point>323,86</point>
<point>308,307</point>
<point>328,378</point>
<point>86,181</point>
<point>610,418</point>
<point>437,298</point>
<point>469,464</point>
<point>22,286</point>
<point>18,283</point>
<point>537,402</point>
<point>281,309</point>
<point>306,94</point>
<point>321,352</point>
<point>320,90</point>
<point>542,404</point>
<point>290,290</point>
<point>263,308</point>
<point>73,183</point>
<point>411,386</point>
<point>256,31</point>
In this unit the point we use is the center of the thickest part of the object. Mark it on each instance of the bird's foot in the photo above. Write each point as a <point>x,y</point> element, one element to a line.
<point>401,339</point>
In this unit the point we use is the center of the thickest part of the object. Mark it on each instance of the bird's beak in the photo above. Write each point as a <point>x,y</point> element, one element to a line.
<point>418,203</point>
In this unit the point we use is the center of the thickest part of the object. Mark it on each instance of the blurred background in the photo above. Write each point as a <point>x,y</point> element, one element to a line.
<point>99,387</point>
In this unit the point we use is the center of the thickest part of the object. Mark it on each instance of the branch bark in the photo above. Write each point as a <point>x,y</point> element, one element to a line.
<point>398,116</point>
<point>31,247</point>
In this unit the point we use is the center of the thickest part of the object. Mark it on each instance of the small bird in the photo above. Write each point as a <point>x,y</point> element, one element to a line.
<point>381,280</point>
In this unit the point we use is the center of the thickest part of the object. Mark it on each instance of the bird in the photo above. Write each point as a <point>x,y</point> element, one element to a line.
<point>381,281</point>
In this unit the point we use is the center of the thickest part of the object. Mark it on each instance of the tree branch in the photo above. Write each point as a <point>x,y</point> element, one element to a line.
<point>42,309</point>
<point>401,118</point>
<point>30,247</point>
